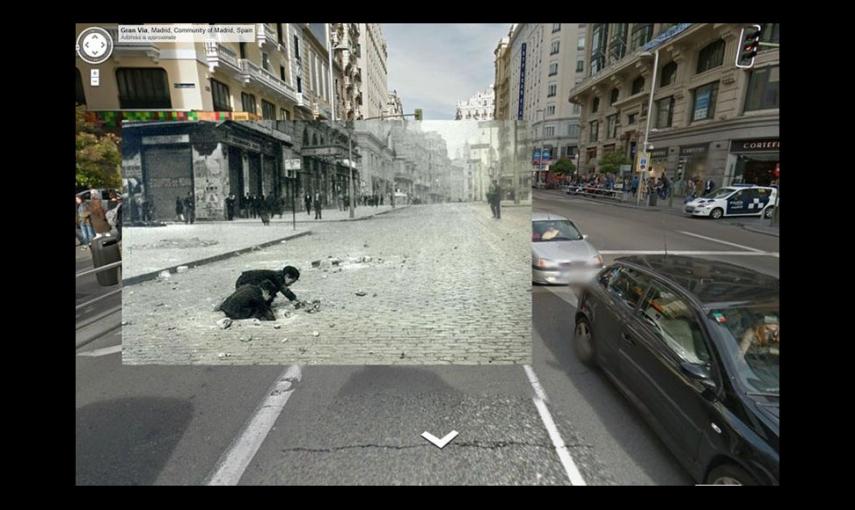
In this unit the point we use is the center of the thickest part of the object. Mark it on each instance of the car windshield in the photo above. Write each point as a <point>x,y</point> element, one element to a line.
<point>753,344</point>
<point>719,193</point>
<point>554,230</point>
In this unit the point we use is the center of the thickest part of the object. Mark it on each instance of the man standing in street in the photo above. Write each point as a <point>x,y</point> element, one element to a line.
<point>317,206</point>
<point>498,200</point>
<point>189,208</point>
<point>230,207</point>
<point>708,187</point>
<point>308,201</point>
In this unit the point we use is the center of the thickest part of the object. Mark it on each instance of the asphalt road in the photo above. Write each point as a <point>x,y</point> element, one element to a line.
<point>140,425</point>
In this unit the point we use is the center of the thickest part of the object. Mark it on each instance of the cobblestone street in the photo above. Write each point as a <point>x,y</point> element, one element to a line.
<point>435,284</point>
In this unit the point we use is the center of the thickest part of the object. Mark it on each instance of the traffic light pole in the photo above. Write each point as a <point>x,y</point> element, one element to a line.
<point>649,115</point>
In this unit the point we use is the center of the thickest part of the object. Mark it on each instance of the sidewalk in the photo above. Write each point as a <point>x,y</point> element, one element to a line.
<point>361,212</point>
<point>146,251</point>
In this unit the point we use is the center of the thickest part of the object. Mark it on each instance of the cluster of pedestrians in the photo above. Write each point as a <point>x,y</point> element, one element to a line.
<point>97,217</point>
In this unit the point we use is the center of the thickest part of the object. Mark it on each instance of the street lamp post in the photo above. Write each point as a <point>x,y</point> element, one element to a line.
<point>649,114</point>
<point>350,168</point>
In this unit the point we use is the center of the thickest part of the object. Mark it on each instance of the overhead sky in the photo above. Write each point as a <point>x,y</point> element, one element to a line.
<point>433,66</point>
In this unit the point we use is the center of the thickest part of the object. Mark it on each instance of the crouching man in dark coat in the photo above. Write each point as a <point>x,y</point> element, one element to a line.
<point>280,280</point>
<point>251,302</point>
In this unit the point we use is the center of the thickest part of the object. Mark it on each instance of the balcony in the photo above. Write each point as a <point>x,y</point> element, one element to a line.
<point>254,75</point>
<point>265,35</point>
<point>219,55</point>
<point>133,49</point>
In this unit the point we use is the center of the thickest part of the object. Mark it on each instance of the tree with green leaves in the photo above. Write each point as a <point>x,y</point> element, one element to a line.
<point>612,161</point>
<point>563,167</point>
<point>99,159</point>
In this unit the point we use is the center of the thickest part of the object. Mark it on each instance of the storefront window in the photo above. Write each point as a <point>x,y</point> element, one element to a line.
<point>763,87</point>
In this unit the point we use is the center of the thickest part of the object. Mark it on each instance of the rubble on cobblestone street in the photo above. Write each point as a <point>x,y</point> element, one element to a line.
<point>438,304</point>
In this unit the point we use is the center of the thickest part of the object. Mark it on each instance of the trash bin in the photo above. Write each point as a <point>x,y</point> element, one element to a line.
<point>105,250</point>
<point>652,201</point>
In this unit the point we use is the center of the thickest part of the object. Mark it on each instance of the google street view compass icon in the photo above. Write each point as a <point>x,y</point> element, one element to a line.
<point>94,45</point>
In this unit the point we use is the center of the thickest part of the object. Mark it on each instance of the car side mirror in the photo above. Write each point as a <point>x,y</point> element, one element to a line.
<point>699,373</point>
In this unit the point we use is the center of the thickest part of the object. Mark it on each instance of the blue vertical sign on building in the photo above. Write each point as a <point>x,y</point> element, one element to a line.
<point>522,84</point>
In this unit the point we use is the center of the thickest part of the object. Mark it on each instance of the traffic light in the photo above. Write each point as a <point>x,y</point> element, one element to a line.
<point>418,114</point>
<point>748,46</point>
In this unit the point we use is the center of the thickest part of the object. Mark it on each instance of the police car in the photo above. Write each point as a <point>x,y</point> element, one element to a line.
<point>735,200</point>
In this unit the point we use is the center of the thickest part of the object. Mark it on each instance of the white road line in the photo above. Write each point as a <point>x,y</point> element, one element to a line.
<point>720,241</point>
<point>237,457</point>
<point>690,253</point>
<point>560,447</point>
<point>102,352</point>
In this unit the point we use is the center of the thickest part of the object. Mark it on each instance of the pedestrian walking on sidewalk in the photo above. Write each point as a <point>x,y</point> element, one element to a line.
<point>179,209</point>
<point>308,201</point>
<point>634,185</point>
<point>190,208</point>
<point>318,206</point>
<point>87,232</point>
<point>708,187</point>
<point>97,215</point>
<point>230,207</point>
<point>340,201</point>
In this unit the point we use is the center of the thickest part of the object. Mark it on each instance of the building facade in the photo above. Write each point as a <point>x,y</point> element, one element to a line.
<point>375,74</point>
<point>710,119</point>
<point>393,104</point>
<point>501,84</point>
<point>262,79</point>
<point>347,44</point>
<point>478,107</point>
<point>545,64</point>
<point>315,83</point>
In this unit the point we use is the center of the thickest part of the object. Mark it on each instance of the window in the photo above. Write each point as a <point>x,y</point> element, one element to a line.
<point>627,286</point>
<point>763,87</point>
<point>247,102</point>
<point>555,46</point>
<point>632,118</point>
<point>615,95</point>
<point>268,110</point>
<point>611,126</point>
<point>81,97</point>
<point>282,73</point>
<point>664,112</point>
<point>553,88</point>
<point>598,47</point>
<point>669,72</point>
<point>550,110</point>
<point>143,88</point>
<point>580,66</point>
<point>637,85</point>
<point>641,34</point>
<point>596,105</point>
<point>594,133</point>
<point>711,56</point>
<point>279,38</point>
<point>577,109</point>
<point>297,48</point>
<point>573,131</point>
<point>771,33</point>
<point>265,61</point>
<point>242,50</point>
<point>553,69</point>
<point>549,131</point>
<point>222,97</point>
<point>673,321</point>
<point>299,84</point>
<point>556,27</point>
<point>285,114</point>
<point>703,105</point>
<point>617,46</point>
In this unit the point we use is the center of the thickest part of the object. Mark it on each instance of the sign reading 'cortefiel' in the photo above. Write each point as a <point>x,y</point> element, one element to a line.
<point>757,145</point>
<point>187,32</point>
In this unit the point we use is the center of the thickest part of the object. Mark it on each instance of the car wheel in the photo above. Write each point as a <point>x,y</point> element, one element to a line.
<point>728,474</point>
<point>583,342</point>
<point>716,213</point>
<point>767,213</point>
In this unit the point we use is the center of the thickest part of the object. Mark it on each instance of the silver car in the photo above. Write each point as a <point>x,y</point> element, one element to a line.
<point>560,253</point>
